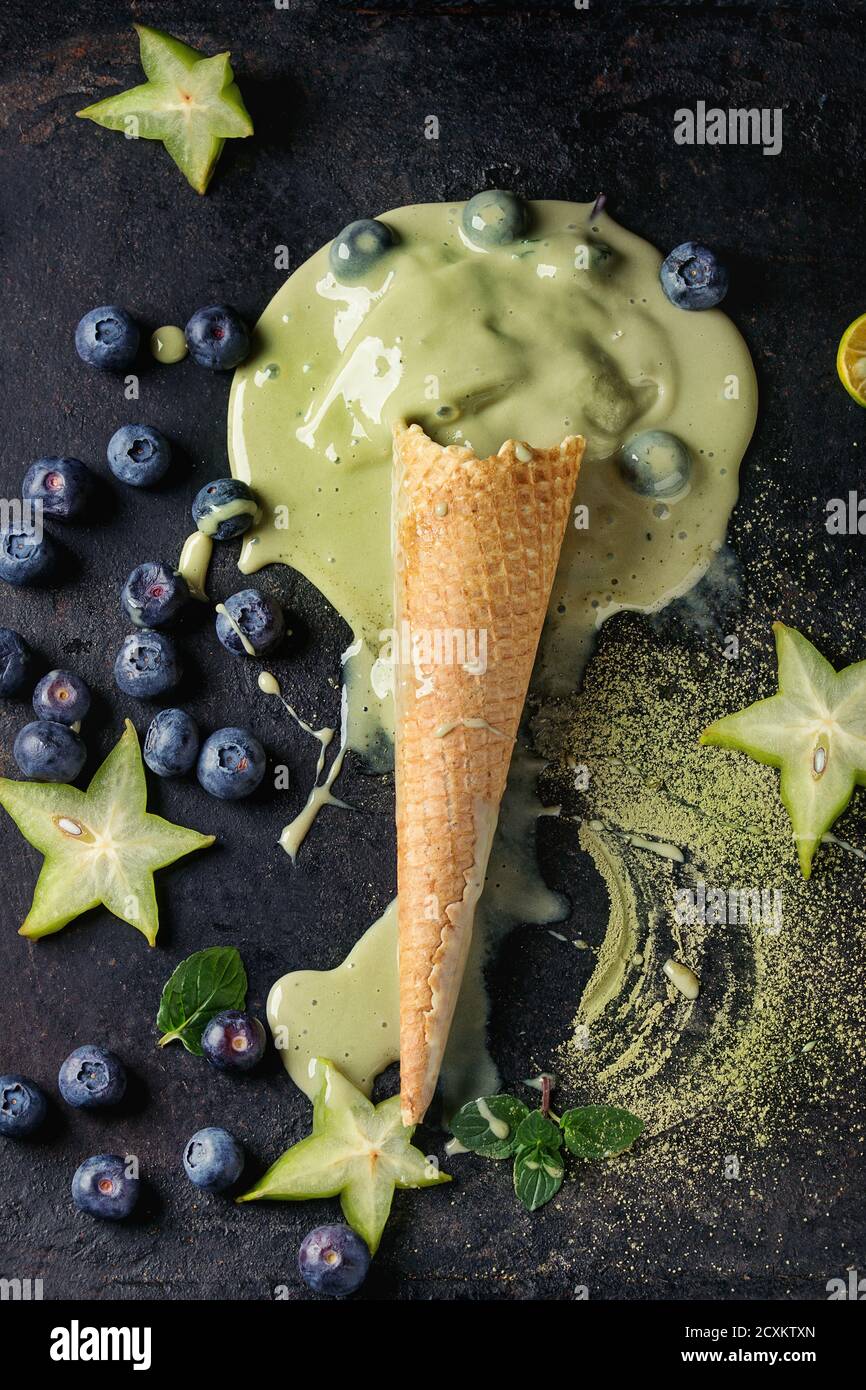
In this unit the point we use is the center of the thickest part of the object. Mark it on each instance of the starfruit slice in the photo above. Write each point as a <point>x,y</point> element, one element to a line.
<point>814,730</point>
<point>101,846</point>
<point>189,102</point>
<point>358,1151</point>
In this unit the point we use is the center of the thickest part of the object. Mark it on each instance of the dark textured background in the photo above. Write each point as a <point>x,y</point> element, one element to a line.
<point>554,103</point>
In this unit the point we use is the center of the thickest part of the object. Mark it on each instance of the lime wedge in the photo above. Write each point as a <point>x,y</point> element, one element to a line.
<point>851,359</point>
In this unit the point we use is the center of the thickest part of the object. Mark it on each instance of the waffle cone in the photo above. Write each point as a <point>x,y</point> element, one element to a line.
<point>476,545</point>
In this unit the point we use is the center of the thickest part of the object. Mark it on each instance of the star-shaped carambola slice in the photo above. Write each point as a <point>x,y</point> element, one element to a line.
<point>189,102</point>
<point>101,846</point>
<point>357,1151</point>
<point>814,730</point>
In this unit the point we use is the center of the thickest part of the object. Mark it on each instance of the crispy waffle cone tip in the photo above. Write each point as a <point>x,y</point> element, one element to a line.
<point>476,545</point>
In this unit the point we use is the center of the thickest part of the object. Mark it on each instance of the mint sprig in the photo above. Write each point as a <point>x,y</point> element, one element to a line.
<point>538,1170</point>
<point>489,1126</point>
<point>503,1127</point>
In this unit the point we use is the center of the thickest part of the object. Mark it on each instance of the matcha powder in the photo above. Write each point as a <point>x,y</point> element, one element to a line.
<point>699,862</point>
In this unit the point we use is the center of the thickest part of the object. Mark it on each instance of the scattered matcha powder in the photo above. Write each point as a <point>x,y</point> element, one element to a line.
<point>772,1029</point>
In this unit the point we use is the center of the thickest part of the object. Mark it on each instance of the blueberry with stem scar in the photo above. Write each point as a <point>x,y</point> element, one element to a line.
<point>104,1186</point>
<point>250,623</point>
<point>138,455</point>
<point>147,665</point>
<point>61,696</point>
<point>693,277</point>
<point>92,1077</point>
<point>231,764</point>
<point>154,594</point>
<point>27,556</point>
<point>333,1260</point>
<point>213,1159</point>
<point>61,486</point>
<point>23,1106</point>
<point>217,338</point>
<point>107,337</point>
<point>234,1041</point>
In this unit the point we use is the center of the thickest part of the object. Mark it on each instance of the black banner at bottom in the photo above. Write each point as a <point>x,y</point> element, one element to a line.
<point>183,1339</point>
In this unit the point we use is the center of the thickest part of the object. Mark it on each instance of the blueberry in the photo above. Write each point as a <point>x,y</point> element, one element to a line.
<point>16,661</point>
<point>258,616</point>
<point>333,1260</point>
<point>358,247</point>
<point>692,277</point>
<point>107,337</point>
<point>171,743</point>
<point>495,218</point>
<point>147,665</point>
<point>104,1186</point>
<point>49,752</point>
<point>655,463</point>
<point>217,337</point>
<point>213,1159</point>
<point>22,1106</point>
<point>224,509</point>
<point>62,486</point>
<point>138,455</point>
<point>154,594</point>
<point>92,1077</point>
<point>27,556</point>
<point>233,1041</point>
<point>231,764</point>
<point>62,697</point>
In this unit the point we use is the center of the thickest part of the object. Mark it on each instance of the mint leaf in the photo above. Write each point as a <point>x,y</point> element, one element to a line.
<point>202,985</point>
<point>489,1125</point>
<point>538,1161</point>
<point>537,1175</point>
<point>537,1131</point>
<point>600,1131</point>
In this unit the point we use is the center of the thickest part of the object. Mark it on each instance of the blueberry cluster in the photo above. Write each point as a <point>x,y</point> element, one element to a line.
<point>63,490</point>
<point>216,337</point>
<point>138,455</point>
<point>94,1078</point>
<point>59,488</point>
<point>50,748</point>
<point>230,764</point>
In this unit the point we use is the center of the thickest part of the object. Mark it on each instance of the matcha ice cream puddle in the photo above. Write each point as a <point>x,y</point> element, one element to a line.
<point>535,340</point>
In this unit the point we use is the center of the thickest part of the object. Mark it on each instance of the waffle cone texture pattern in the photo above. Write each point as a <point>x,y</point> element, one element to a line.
<point>476,546</point>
